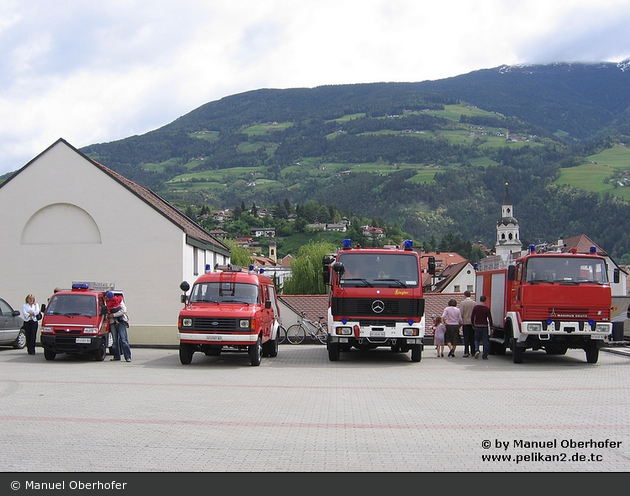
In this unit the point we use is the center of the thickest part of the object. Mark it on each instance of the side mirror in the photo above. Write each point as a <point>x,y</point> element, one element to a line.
<point>42,308</point>
<point>268,304</point>
<point>184,299</point>
<point>511,273</point>
<point>431,265</point>
<point>184,286</point>
<point>103,310</point>
<point>16,313</point>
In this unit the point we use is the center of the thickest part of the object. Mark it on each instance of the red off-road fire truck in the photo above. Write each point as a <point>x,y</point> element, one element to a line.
<point>75,321</point>
<point>229,310</point>
<point>375,299</point>
<point>548,301</point>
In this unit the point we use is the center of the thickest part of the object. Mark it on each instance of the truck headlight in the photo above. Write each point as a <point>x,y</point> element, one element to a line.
<point>343,331</point>
<point>243,323</point>
<point>186,322</point>
<point>534,327</point>
<point>47,330</point>
<point>90,330</point>
<point>602,327</point>
<point>410,331</point>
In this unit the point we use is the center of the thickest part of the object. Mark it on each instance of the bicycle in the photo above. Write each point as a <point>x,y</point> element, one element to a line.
<point>282,334</point>
<point>296,333</point>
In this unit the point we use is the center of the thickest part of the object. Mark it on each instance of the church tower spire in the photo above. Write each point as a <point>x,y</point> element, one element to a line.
<point>508,236</point>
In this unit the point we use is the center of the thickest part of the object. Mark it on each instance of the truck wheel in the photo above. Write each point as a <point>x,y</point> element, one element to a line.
<point>273,347</point>
<point>20,341</point>
<point>255,353</point>
<point>416,352</point>
<point>592,352</point>
<point>99,354</point>
<point>49,355</point>
<point>333,352</point>
<point>186,351</point>
<point>517,353</point>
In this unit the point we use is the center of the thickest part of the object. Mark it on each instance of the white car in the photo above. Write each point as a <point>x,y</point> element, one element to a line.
<point>11,332</point>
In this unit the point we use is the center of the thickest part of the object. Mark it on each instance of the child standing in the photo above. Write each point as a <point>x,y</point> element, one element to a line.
<point>438,336</point>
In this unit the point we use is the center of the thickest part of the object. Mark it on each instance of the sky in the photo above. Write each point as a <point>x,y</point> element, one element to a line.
<point>94,72</point>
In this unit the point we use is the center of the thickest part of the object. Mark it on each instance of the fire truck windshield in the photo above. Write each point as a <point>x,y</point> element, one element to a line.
<point>379,269</point>
<point>218,292</point>
<point>72,305</point>
<point>569,270</point>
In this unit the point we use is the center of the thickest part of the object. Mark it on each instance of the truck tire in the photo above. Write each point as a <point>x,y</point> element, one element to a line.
<point>592,352</point>
<point>255,353</point>
<point>333,352</point>
<point>517,353</point>
<point>186,351</point>
<point>101,351</point>
<point>270,348</point>
<point>416,352</point>
<point>49,355</point>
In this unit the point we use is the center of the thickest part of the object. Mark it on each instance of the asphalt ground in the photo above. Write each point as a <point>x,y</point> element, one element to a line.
<point>370,412</point>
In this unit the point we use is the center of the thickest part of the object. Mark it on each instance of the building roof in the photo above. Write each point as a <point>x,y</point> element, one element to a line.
<point>442,259</point>
<point>196,234</point>
<point>314,306</point>
<point>583,244</point>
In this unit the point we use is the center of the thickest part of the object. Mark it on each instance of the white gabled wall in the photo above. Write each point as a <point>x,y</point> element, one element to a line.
<point>64,219</point>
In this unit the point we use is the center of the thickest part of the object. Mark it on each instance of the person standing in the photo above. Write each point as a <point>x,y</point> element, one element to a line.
<point>118,323</point>
<point>452,318</point>
<point>438,336</point>
<point>466,308</point>
<point>30,314</point>
<point>482,323</point>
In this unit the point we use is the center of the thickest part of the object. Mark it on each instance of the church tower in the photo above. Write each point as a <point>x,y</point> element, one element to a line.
<point>508,236</point>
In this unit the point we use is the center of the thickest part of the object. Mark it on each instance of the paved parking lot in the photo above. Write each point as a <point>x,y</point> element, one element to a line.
<point>299,412</point>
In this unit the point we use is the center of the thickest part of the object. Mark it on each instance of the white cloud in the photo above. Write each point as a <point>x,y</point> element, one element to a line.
<point>100,71</point>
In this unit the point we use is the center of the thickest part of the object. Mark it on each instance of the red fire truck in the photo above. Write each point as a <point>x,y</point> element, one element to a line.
<point>547,300</point>
<point>75,321</point>
<point>375,299</point>
<point>229,310</point>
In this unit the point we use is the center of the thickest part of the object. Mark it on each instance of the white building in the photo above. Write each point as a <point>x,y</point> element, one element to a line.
<point>68,218</point>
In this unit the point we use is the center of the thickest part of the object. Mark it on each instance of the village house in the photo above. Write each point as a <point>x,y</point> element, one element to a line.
<point>69,218</point>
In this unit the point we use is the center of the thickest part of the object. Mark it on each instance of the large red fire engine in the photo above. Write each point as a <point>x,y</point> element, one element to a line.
<point>547,300</point>
<point>375,299</point>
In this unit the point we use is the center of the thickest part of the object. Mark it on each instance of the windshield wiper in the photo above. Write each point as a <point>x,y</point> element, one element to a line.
<point>357,279</point>
<point>398,281</point>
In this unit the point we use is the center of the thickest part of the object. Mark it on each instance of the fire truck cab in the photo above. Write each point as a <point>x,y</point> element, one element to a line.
<point>230,309</point>
<point>375,299</point>
<point>75,321</point>
<point>553,301</point>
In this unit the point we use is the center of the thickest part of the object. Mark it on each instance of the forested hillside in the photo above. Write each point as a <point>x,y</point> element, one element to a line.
<point>430,158</point>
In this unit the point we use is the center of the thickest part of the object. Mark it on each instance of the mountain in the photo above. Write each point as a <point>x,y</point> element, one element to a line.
<point>431,157</point>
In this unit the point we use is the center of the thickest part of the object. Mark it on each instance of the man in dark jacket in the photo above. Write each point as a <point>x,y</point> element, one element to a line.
<point>481,319</point>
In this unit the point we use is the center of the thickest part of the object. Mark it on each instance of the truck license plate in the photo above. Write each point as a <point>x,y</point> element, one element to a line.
<point>212,337</point>
<point>83,340</point>
<point>598,336</point>
<point>377,334</point>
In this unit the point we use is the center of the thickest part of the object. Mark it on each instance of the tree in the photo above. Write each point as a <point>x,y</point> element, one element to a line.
<point>238,254</point>
<point>306,269</point>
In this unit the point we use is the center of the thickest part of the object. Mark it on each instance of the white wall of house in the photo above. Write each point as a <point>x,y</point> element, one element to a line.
<point>464,280</point>
<point>66,220</point>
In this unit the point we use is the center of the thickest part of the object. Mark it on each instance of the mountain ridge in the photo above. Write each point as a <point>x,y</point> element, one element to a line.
<point>432,172</point>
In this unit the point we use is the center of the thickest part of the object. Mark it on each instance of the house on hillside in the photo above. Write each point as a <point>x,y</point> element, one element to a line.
<point>69,218</point>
